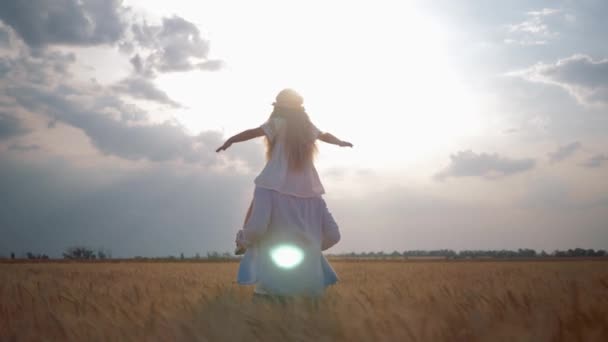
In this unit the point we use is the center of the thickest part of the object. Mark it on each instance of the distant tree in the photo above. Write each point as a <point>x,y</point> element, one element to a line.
<point>578,252</point>
<point>526,253</point>
<point>79,253</point>
<point>197,256</point>
<point>213,255</point>
<point>101,254</point>
<point>181,256</point>
<point>12,255</point>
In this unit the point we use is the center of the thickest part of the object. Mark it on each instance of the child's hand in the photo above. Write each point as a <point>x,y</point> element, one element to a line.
<point>225,146</point>
<point>345,144</point>
<point>240,250</point>
<point>240,247</point>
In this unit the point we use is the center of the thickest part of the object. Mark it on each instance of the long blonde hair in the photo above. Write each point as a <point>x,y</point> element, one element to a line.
<point>300,145</point>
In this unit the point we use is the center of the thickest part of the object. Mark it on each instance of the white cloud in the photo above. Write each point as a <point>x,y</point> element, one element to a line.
<point>175,45</point>
<point>489,166</point>
<point>580,75</point>
<point>143,88</point>
<point>564,151</point>
<point>534,30</point>
<point>595,161</point>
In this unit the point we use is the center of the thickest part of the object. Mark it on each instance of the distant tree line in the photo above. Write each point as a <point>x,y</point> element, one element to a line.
<point>85,253</point>
<point>27,255</point>
<point>209,256</point>
<point>470,254</point>
<point>33,256</point>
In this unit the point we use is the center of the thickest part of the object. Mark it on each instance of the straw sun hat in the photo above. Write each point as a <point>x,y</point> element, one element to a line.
<point>288,98</point>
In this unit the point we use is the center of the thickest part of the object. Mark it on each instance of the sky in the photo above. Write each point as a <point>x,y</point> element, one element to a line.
<point>475,124</point>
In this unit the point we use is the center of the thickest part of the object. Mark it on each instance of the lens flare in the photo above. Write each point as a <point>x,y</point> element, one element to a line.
<point>287,256</point>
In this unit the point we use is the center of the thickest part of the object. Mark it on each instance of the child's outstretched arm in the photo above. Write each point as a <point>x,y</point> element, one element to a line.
<point>243,136</point>
<point>331,139</point>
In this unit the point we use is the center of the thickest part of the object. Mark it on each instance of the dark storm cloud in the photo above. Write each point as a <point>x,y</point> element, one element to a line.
<point>143,88</point>
<point>580,75</point>
<point>596,161</point>
<point>489,166</point>
<point>11,126</point>
<point>564,151</point>
<point>175,45</point>
<point>66,22</point>
<point>48,205</point>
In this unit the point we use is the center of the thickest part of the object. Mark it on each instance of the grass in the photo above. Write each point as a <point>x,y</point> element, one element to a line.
<point>374,301</point>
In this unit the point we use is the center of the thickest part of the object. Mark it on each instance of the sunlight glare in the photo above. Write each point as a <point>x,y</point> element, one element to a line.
<point>287,256</point>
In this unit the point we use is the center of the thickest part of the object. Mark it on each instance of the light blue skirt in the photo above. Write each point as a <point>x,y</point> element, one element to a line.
<point>254,270</point>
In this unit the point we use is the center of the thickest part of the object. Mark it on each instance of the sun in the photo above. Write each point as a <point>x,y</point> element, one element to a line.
<point>380,76</point>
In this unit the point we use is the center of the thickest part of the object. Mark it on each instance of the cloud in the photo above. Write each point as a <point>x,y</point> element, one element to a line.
<point>564,151</point>
<point>5,37</point>
<point>23,148</point>
<point>111,134</point>
<point>41,86</point>
<point>49,204</point>
<point>65,22</point>
<point>489,166</point>
<point>175,45</point>
<point>142,88</point>
<point>45,67</point>
<point>581,76</point>
<point>596,161</point>
<point>534,30</point>
<point>39,83</point>
<point>343,173</point>
<point>11,126</point>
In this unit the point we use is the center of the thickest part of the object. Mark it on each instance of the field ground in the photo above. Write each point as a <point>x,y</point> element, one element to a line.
<point>374,301</point>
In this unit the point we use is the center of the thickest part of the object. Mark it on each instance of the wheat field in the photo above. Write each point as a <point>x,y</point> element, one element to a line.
<point>374,301</point>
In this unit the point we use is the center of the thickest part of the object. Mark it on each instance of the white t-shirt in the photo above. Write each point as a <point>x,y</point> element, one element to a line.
<point>277,175</point>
